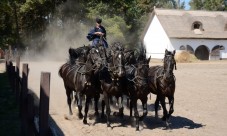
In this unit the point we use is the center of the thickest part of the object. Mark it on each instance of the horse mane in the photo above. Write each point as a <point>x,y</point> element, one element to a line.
<point>140,53</point>
<point>75,53</point>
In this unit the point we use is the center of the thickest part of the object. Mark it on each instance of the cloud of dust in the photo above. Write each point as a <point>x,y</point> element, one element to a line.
<point>65,32</point>
<point>60,35</point>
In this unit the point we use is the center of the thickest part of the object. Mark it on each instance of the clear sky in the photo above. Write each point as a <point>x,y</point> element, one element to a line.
<point>187,6</point>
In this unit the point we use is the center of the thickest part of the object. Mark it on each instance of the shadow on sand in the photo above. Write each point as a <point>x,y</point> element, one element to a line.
<point>150,122</point>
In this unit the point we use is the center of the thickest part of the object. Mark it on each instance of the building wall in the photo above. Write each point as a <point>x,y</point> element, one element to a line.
<point>195,43</point>
<point>156,40</point>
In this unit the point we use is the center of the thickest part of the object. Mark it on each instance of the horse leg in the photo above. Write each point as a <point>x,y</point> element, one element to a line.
<point>79,98</point>
<point>88,99</point>
<point>165,113</point>
<point>136,114</point>
<point>96,98</point>
<point>69,100</point>
<point>156,106</point>
<point>144,103</point>
<point>111,100</point>
<point>107,108</point>
<point>120,105</point>
<point>171,103</point>
<point>131,106</point>
<point>76,100</point>
<point>128,102</point>
<point>103,108</point>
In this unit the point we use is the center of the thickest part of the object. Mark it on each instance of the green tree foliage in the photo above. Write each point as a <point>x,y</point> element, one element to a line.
<point>7,26</point>
<point>123,19</point>
<point>34,18</point>
<point>212,5</point>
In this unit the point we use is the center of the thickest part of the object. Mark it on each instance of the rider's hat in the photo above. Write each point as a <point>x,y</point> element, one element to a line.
<point>98,20</point>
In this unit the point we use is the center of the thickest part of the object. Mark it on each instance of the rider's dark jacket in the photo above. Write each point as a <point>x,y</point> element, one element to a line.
<point>96,38</point>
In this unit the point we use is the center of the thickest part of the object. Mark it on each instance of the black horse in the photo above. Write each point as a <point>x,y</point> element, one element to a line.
<point>79,77</point>
<point>78,54</point>
<point>137,87</point>
<point>113,83</point>
<point>129,57</point>
<point>162,83</point>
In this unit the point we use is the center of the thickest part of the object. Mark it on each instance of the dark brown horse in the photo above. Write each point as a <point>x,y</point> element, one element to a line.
<point>79,77</point>
<point>162,83</point>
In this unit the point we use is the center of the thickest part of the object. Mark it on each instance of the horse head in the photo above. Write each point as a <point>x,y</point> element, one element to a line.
<point>79,54</point>
<point>141,73</point>
<point>93,58</point>
<point>117,46</point>
<point>129,57</point>
<point>116,65</point>
<point>169,63</point>
<point>103,55</point>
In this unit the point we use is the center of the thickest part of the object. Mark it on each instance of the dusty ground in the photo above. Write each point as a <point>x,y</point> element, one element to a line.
<point>200,104</point>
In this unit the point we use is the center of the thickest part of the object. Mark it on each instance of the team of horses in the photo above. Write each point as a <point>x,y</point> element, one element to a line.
<point>117,72</point>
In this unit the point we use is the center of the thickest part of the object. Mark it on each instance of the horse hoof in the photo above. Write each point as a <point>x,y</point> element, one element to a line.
<point>118,114</point>
<point>80,116</point>
<point>68,117</point>
<point>156,116</point>
<point>163,118</point>
<point>167,124</point>
<point>140,118</point>
<point>85,121</point>
<point>103,116</point>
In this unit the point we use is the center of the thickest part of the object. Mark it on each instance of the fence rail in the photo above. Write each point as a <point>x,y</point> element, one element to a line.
<point>34,118</point>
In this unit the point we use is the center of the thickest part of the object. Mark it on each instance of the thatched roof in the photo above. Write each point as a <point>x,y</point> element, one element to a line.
<point>179,23</point>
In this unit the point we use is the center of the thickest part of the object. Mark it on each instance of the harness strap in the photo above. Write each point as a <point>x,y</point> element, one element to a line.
<point>77,71</point>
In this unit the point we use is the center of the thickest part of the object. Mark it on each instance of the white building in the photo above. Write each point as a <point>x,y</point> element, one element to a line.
<point>203,33</point>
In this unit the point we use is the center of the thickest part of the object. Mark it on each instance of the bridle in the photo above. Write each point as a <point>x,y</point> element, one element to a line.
<point>137,77</point>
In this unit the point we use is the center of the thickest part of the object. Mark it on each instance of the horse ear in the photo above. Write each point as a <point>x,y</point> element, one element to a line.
<point>166,52</point>
<point>174,51</point>
<point>70,50</point>
<point>148,60</point>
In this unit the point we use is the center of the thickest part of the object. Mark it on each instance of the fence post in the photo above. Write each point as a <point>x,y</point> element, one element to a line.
<point>44,104</point>
<point>30,114</point>
<point>24,90</point>
<point>17,87</point>
<point>23,94</point>
<point>6,61</point>
<point>13,77</point>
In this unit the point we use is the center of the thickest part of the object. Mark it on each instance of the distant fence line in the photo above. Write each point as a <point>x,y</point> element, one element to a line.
<point>34,118</point>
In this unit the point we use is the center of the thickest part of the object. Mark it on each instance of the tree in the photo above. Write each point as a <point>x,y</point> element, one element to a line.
<point>7,23</point>
<point>124,19</point>
<point>214,5</point>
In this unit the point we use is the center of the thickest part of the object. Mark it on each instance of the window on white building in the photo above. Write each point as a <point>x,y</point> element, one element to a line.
<point>197,25</point>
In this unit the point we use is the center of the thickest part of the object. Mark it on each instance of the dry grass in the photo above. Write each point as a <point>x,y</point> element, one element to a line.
<point>185,56</point>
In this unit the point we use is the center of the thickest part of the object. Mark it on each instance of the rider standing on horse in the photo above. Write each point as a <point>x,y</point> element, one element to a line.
<point>98,34</point>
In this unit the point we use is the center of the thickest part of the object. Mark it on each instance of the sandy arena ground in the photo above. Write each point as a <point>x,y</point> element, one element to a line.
<point>200,104</point>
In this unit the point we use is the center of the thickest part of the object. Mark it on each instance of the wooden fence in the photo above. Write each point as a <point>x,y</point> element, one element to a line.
<point>34,118</point>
